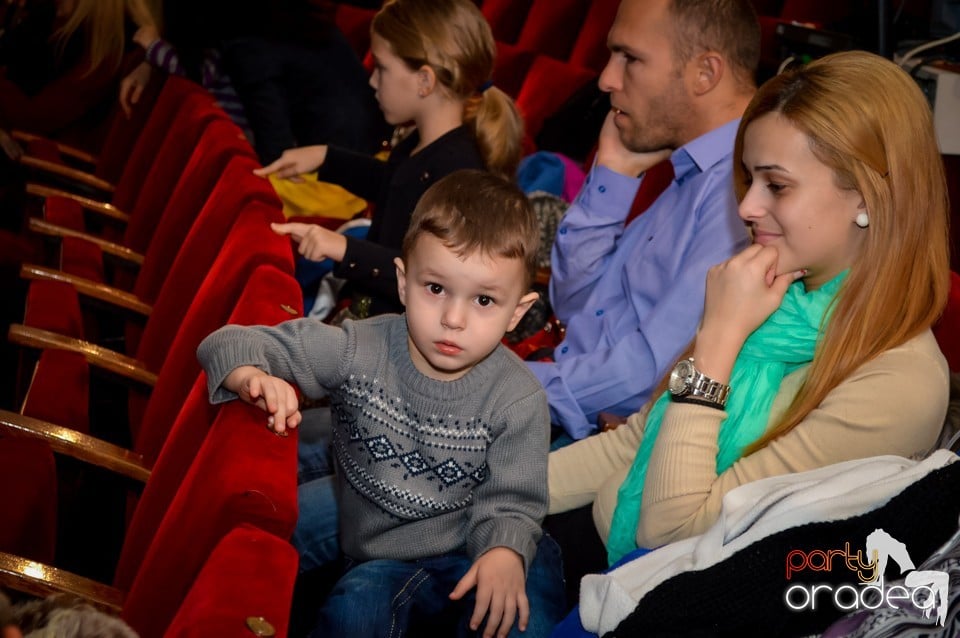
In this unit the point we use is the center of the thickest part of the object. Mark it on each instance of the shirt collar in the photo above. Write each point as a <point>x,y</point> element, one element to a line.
<point>703,152</point>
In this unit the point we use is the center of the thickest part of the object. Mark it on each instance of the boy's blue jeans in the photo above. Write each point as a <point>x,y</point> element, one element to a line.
<point>376,598</point>
<point>315,536</point>
<point>383,598</point>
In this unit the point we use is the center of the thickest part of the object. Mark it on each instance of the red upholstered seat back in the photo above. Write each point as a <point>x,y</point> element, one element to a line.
<point>354,23</point>
<point>196,113</point>
<point>188,318</point>
<point>60,390</point>
<point>242,473</point>
<point>250,573</point>
<point>271,295</point>
<point>548,84</point>
<point>54,306</point>
<point>124,131</point>
<point>552,26</point>
<point>210,179</point>
<point>506,18</point>
<point>144,152</point>
<point>590,49</point>
<point>947,330</point>
<point>29,479</point>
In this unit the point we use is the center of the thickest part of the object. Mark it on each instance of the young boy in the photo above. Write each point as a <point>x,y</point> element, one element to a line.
<point>440,435</point>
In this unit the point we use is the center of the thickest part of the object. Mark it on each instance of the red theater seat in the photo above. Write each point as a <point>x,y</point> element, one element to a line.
<point>270,296</point>
<point>246,584</point>
<point>195,242</point>
<point>121,194</point>
<point>182,318</point>
<point>552,26</point>
<point>107,165</point>
<point>947,330</point>
<point>590,49</point>
<point>29,479</point>
<point>506,18</point>
<point>241,474</point>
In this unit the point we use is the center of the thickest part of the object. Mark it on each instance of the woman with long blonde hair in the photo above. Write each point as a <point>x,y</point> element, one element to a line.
<point>815,344</point>
<point>62,65</point>
<point>101,25</point>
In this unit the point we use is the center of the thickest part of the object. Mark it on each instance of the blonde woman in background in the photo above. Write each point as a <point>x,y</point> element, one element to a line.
<point>60,66</point>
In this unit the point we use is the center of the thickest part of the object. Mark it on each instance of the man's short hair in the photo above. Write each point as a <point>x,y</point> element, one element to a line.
<point>474,210</point>
<point>729,27</point>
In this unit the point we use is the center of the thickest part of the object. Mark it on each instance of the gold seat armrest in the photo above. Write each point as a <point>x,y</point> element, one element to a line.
<point>64,149</point>
<point>95,355</point>
<point>108,247</point>
<point>95,290</point>
<point>75,444</point>
<point>65,171</point>
<point>41,580</point>
<point>102,208</point>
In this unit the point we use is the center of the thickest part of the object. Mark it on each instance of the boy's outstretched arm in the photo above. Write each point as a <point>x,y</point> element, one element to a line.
<point>271,394</point>
<point>501,592</point>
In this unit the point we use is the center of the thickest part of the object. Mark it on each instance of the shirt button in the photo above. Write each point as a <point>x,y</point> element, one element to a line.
<point>375,272</point>
<point>352,264</point>
<point>563,230</point>
<point>600,312</point>
<point>564,349</point>
<point>602,189</point>
<point>425,176</point>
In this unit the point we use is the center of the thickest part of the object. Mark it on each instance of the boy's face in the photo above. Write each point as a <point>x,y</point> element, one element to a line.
<point>458,309</point>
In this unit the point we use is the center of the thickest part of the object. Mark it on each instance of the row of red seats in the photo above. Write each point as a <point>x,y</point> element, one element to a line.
<point>180,244</point>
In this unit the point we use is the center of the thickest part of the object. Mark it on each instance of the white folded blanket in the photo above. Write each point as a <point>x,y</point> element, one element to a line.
<point>749,513</point>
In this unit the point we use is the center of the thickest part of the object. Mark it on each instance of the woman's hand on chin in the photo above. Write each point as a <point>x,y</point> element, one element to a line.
<point>744,290</point>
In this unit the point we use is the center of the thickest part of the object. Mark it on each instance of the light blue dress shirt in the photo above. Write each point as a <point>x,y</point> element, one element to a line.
<point>631,297</point>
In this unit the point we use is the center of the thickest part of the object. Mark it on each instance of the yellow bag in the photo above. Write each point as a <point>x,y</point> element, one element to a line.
<point>313,198</point>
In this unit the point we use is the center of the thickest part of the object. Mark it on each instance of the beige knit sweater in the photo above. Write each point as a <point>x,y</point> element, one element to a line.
<point>894,404</point>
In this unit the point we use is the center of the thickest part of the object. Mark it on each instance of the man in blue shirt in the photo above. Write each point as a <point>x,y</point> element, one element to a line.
<point>681,73</point>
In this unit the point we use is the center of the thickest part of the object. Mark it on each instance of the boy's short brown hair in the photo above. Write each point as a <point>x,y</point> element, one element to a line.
<point>471,210</point>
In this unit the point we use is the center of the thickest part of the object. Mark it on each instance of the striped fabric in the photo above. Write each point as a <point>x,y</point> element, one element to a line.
<point>163,55</point>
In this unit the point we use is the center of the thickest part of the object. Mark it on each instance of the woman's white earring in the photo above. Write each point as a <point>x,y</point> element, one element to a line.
<point>862,220</point>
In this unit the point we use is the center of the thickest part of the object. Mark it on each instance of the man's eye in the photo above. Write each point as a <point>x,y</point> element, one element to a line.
<point>485,301</point>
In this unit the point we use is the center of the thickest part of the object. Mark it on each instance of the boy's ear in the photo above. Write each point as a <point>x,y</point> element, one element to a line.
<point>522,307</point>
<point>401,280</point>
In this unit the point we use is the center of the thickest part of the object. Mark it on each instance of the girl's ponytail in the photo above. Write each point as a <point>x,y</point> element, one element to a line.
<point>498,128</point>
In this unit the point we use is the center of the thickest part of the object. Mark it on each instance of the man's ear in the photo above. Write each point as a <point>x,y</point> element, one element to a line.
<point>522,307</point>
<point>401,280</point>
<point>708,69</point>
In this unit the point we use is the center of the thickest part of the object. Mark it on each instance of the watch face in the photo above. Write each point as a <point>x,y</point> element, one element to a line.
<point>681,377</point>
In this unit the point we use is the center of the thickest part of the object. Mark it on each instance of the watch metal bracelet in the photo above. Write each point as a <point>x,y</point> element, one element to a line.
<point>699,401</point>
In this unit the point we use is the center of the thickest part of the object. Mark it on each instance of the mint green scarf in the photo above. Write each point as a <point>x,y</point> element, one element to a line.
<point>783,343</point>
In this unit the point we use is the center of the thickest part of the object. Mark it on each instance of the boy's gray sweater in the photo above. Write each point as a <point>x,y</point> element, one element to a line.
<point>424,467</point>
